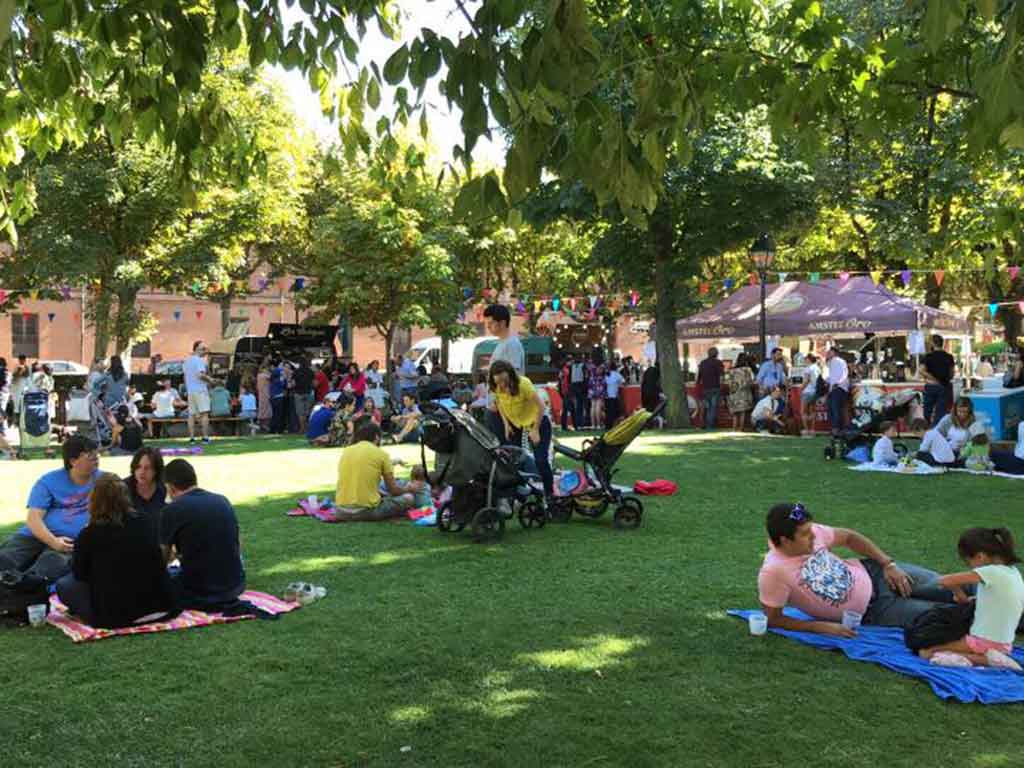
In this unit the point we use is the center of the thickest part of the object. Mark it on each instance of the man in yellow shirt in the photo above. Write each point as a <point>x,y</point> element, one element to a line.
<point>362,467</point>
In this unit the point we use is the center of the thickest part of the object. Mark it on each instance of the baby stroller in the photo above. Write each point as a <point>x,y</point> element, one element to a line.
<point>488,484</point>
<point>598,457</point>
<point>870,411</point>
<point>34,427</point>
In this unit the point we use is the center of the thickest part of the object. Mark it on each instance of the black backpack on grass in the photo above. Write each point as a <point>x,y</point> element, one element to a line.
<point>16,598</point>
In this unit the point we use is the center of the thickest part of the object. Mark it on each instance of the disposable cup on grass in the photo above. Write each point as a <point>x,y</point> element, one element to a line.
<point>313,502</point>
<point>758,624</point>
<point>37,614</point>
<point>852,620</point>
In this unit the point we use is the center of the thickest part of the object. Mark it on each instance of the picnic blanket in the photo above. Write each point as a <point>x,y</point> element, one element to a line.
<point>920,468</point>
<point>83,633</point>
<point>884,646</point>
<point>323,511</point>
<point>993,474</point>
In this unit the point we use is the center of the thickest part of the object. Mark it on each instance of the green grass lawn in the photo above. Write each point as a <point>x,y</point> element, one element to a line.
<point>576,645</point>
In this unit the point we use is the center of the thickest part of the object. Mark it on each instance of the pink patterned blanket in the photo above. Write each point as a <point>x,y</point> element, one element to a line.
<point>83,633</point>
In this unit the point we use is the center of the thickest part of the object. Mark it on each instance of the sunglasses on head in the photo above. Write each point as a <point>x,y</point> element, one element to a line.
<point>798,513</point>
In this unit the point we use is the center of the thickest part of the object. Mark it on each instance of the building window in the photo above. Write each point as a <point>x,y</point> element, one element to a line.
<point>141,350</point>
<point>25,330</point>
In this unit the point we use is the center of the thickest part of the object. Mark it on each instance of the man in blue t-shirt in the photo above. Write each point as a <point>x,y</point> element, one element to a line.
<point>320,420</point>
<point>201,529</point>
<point>58,509</point>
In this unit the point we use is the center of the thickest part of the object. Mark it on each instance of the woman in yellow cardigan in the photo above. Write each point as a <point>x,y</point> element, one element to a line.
<point>522,411</point>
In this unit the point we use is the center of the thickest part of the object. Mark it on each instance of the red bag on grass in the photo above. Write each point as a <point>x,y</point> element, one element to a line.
<point>655,487</point>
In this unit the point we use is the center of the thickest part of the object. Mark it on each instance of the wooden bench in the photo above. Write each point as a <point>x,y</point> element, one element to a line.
<point>236,423</point>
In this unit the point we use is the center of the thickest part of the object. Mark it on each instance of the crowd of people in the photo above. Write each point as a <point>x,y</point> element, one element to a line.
<point>120,551</point>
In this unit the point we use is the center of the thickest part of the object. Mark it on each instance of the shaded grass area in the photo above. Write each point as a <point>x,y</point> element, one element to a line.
<point>575,645</point>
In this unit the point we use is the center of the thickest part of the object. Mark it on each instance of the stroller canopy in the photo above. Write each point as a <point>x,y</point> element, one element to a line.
<point>850,307</point>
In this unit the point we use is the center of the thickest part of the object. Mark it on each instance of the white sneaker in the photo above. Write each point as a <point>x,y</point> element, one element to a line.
<point>1001,660</point>
<point>950,659</point>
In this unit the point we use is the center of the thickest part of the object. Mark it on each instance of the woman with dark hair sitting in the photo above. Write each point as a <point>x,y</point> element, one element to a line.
<point>117,569</point>
<point>523,416</point>
<point>146,486</point>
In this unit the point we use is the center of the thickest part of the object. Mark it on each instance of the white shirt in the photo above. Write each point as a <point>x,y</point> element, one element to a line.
<point>764,409</point>
<point>650,353</point>
<point>811,376</point>
<point>1019,450</point>
<point>884,453</point>
<point>510,349</point>
<point>612,382</point>
<point>934,443</point>
<point>163,403</point>
<point>374,377</point>
<point>999,604</point>
<point>838,373</point>
<point>193,368</point>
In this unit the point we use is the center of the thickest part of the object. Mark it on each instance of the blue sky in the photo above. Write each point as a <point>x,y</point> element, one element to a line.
<point>441,16</point>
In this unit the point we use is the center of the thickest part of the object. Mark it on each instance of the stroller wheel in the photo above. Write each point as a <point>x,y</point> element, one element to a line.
<point>532,513</point>
<point>629,513</point>
<point>488,525</point>
<point>560,510</point>
<point>446,522</point>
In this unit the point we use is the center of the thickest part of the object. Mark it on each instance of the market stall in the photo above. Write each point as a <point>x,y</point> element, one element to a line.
<point>826,309</point>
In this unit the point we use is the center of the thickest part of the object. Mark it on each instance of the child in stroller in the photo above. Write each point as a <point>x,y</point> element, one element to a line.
<point>871,411</point>
<point>488,483</point>
<point>595,492</point>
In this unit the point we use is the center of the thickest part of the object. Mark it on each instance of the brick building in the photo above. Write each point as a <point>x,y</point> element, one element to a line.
<point>182,320</point>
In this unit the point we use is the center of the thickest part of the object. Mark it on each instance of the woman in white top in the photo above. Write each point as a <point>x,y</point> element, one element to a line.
<point>942,444</point>
<point>809,394</point>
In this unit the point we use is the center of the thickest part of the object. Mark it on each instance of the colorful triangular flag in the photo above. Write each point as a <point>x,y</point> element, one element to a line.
<point>50,316</point>
<point>729,283</point>
<point>593,301</point>
<point>199,314</point>
<point>1020,306</point>
<point>940,275</point>
<point>815,277</point>
<point>876,276</point>
<point>993,308</point>
<point>177,314</point>
<point>556,303</point>
<point>263,311</point>
<point>844,276</point>
<point>703,288</point>
<point>1014,271</point>
<point>906,276</point>
<point>538,306</point>
<point>783,276</point>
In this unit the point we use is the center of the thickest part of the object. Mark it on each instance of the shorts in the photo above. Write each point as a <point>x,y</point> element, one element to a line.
<point>979,645</point>
<point>198,402</point>
<point>808,396</point>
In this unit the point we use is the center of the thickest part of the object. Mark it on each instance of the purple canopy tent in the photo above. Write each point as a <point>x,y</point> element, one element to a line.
<point>849,307</point>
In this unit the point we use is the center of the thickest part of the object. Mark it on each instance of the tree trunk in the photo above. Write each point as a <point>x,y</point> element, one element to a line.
<point>446,350</point>
<point>101,321</point>
<point>666,340</point>
<point>126,320</point>
<point>225,313</point>
<point>389,340</point>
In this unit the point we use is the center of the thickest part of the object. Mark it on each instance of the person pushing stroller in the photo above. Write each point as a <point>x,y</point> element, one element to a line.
<point>523,417</point>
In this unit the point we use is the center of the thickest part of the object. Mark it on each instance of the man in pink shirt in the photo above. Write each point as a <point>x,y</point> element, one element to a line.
<point>801,571</point>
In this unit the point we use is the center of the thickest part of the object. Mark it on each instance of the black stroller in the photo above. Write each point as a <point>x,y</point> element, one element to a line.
<point>598,458</point>
<point>488,484</point>
<point>865,429</point>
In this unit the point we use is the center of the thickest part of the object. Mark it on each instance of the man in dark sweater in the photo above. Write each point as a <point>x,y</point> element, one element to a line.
<point>709,379</point>
<point>201,529</point>
<point>939,369</point>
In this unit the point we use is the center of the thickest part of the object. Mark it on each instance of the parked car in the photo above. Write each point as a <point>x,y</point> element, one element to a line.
<point>170,368</point>
<point>66,368</point>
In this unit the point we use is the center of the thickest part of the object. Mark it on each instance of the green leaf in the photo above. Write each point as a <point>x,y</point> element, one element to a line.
<point>58,78</point>
<point>941,19</point>
<point>499,108</point>
<point>987,9</point>
<point>396,66</point>
<point>430,62</point>
<point>1012,136</point>
<point>373,94</point>
<point>424,127</point>
<point>351,48</point>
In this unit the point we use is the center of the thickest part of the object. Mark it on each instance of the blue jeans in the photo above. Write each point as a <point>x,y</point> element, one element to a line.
<point>27,555</point>
<point>888,609</point>
<point>934,403</point>
<point>711,398</point>
<point>541,455</point>
<point>837,408</point>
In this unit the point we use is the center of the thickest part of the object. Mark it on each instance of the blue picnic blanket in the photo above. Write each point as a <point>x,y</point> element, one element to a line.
<point>884,646</point>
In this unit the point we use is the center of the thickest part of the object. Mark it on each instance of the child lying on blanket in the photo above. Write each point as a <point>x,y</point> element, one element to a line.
<point>1000,602</point>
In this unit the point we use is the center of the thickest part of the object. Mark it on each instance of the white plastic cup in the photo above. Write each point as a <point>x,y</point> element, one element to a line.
<point>852,620</point>
<point>313,501</point>
<point>758,624</point>
<point>37,614</point>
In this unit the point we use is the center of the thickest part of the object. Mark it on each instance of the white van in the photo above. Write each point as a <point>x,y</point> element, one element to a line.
<point>427,351</point>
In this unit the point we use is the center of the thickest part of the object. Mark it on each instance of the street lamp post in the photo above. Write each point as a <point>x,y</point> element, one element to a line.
<point>762,252</point>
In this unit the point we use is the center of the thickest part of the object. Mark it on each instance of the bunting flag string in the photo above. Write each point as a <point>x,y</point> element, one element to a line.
<point>50,316</point>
